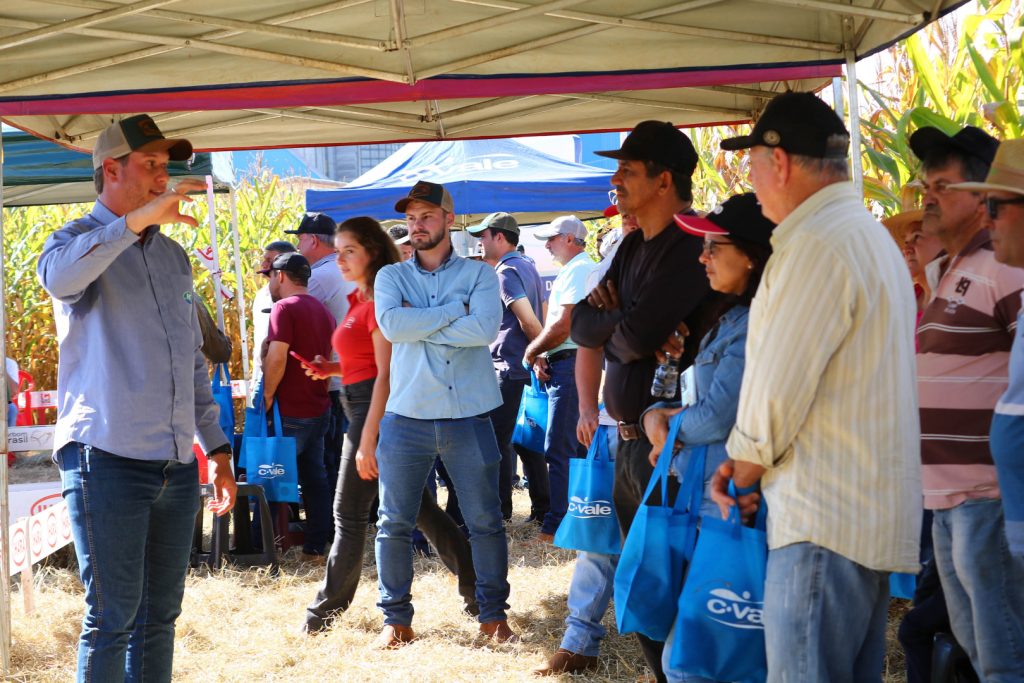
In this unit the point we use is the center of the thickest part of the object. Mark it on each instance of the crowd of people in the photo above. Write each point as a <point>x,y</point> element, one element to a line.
<point>867,392</point>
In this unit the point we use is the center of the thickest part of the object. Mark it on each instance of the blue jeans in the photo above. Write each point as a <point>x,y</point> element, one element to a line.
<point>589,592</point>
<point>405,455</point>
<point>132,523</point>
<point>308,433</point>
<point>984,586</point>
<point>560,442</point>
<point>824,617</point>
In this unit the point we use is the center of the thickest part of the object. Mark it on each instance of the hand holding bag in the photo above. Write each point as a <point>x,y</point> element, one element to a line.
<point>270,461</point>
<point>590,523</point>
<point>720,625</point>
<point>532,420</point>
<point>220,387</point>
<point>657,547</point>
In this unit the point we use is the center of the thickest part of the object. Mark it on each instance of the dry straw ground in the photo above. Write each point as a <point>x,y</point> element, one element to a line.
<point>244,626</point>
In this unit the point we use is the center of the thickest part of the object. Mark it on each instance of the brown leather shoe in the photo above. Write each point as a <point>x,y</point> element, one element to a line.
<point>499,632</point>
<point>565,662</point>
<point>393,637</point>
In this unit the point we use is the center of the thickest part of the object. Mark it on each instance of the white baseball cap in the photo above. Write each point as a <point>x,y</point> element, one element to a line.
<point>563,225</point>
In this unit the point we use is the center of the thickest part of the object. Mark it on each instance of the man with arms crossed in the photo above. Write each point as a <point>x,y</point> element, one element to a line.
<point>133,390</point>
<point>440,312</point>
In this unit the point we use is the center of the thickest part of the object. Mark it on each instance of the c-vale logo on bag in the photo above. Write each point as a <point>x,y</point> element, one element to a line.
<point>270,470</point>
<point>735,611</point>
<point>584,508</point>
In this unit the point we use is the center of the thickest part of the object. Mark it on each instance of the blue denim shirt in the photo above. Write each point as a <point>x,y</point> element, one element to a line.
<point>131,378</point>
<point>440,361</point>
<point>718,372</point>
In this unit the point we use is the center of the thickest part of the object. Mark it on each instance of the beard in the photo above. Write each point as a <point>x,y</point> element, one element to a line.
<point>426,242</point>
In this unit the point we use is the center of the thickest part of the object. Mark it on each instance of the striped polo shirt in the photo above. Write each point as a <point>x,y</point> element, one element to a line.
<point>964,341</point>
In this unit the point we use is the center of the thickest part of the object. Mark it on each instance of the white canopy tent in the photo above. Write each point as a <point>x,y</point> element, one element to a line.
<point>262,73</point>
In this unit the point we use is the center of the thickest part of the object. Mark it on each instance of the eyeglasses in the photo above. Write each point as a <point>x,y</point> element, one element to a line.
<point>711,246</point>
<point>992,205</point>
<point>613,197</point>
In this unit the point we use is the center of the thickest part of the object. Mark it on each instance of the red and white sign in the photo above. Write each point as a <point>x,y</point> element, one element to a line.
<point>39,536</point>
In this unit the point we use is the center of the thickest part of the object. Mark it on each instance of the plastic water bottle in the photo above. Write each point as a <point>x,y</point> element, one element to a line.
<point>666,379</point>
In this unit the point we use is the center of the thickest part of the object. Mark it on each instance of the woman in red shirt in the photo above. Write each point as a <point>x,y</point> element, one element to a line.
<point>364,361</point>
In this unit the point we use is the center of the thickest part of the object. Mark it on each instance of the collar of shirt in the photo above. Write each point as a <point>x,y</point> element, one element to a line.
<point>797,221</point>
<point>329,258</point>
<point>448,260</point>
<point>508,257</point>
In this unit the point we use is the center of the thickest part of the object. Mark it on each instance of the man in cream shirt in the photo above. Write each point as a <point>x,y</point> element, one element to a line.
<point>828,407</point>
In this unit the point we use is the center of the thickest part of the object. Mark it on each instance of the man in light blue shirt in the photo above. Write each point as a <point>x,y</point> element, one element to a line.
<point>133,389</point>
<point>440,312</point>
<point>552,355</point>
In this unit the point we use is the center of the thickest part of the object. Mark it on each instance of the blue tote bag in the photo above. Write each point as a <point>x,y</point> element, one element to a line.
<point>657,547</point>
<point>720,626</point>
<point>221,389</point>
<point>532,421</point>
<point>270,460</point>
<point>590,523</point>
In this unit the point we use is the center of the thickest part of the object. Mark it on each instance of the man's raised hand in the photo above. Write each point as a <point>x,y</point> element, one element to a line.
<point>166,208</point>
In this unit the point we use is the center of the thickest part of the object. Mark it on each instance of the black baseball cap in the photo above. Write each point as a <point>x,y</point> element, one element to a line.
<point>315,224</point>
<point>294,263</point>
<point>431,193</point>
<point>800,123</point>
<point>660,142</point>
<point>739,216</point>
<point>498,220</point>
<point>970,141</point>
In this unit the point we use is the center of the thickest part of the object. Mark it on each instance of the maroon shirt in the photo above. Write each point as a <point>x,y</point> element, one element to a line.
<point>305,325</point>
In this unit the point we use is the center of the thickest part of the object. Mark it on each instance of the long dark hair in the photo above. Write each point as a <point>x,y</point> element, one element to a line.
<point>377,243</point>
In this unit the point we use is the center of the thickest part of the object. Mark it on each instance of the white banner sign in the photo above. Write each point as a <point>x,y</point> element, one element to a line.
<point>39,536</point>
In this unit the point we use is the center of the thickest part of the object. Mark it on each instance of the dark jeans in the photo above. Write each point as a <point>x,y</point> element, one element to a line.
<point>632,473</point>
<point>504,420</point>
<point>353,501</point>
<point>560,442</point>
<point>308,433</point>
<point>132,523</point>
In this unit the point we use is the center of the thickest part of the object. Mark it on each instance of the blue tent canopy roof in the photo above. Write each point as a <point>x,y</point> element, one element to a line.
<point>482,176</point>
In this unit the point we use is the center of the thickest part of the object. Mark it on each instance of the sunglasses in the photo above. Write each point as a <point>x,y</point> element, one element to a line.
<point>992,205</point>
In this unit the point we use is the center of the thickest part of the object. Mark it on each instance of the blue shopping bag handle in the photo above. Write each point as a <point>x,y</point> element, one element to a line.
<point>599,445</point>
<point>760,517</point>
<point>692,490</point>
<point>220,380</point>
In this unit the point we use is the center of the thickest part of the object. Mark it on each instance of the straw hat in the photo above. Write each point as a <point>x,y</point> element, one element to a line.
<point>900,224</point>
<point>1006,173</point>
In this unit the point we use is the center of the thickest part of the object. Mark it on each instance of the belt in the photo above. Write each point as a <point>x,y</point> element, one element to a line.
<point>629,431</point>
<point>561,355</point>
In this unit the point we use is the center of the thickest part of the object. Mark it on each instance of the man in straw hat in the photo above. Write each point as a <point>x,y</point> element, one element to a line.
<point>1003,190</point>
<point>133,391</point>
<point>964,341</point>
<point>827,420</point>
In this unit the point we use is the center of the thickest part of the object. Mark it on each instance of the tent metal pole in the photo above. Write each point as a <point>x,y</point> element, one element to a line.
<point>837,97</point>
<point>214,251</point>
<point>5,541</point>
<point>853,104</point>
<point>240,285</point>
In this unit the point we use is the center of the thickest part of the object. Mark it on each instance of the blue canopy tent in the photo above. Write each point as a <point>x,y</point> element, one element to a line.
<point>482,176</point>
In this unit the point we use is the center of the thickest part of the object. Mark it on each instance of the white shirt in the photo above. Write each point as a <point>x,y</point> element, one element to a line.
<point>327,286</point>
<point>829,397</point>
<point>569,287</point>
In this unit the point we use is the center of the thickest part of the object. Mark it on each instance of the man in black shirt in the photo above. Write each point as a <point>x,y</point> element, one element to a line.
<point>654,283</point>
